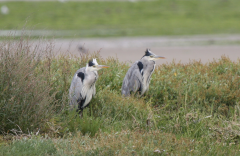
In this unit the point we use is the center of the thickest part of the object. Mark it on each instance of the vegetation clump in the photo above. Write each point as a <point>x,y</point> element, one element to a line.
<point>190,108</point>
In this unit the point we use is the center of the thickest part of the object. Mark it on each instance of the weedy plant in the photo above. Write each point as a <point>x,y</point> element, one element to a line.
<point>25,99</point>
<point>190,108</point>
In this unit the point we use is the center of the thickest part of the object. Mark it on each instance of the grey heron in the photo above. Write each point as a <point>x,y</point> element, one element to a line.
<point>82,87</point>
<point>138,76</point>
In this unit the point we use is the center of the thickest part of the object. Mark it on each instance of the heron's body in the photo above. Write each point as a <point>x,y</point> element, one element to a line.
<point>139,74</point>
<point>83,88</point>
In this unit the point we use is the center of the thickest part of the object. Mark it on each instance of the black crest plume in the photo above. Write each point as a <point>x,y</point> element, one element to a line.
<point>147,53</point>
<point>90,63</point>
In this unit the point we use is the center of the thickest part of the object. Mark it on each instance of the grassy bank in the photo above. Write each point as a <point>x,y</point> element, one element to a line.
<point>189,109</point>
<point>153,18</point>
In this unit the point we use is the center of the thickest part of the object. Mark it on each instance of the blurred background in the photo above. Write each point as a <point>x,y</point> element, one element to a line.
<point>180,30</point>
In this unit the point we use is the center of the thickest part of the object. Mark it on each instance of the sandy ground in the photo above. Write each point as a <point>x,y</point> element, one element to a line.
<point>183,49</point>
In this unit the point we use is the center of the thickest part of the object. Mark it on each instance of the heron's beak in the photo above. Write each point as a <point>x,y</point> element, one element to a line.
<point>158,57</point>
<point>102,66</point>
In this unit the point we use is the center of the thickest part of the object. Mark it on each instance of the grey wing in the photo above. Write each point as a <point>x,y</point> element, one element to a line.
<point>132,82</point>
<point>75,91</point>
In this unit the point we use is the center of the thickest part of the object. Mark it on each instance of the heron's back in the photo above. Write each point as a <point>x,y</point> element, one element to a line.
<point>82,88</point>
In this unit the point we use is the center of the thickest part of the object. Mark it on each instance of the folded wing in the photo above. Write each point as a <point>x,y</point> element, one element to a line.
<point>76,91</point>
<point>133,79</point>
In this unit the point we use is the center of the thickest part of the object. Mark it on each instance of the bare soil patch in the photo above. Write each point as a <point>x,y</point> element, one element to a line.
<point>183,49</point>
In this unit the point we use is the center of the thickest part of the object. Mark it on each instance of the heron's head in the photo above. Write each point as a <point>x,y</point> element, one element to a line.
<point>151,56</point>
<point>94,66</point>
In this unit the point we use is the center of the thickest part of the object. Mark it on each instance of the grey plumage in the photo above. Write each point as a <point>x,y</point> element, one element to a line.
<point>82,87</point>
<point>139,74</point>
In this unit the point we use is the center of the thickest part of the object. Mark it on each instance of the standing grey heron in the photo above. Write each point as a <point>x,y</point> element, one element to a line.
<point>83,88</point>
<point>138,76</point>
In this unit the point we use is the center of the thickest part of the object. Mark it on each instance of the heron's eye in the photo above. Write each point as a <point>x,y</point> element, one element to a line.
<point>151,56</point>
<point>94,66</point>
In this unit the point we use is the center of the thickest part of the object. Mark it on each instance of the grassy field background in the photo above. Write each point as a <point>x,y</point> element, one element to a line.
<point>100,19</point>
<point>190,109</point>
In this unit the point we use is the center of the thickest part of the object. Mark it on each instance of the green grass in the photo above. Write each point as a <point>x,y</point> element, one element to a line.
<point>153,18</point>
<point>34,146</point>
<point>190,109</point>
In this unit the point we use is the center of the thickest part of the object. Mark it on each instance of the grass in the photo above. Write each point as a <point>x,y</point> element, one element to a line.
<point>190,109</point>
<point>103,19</point>
<point>32,146</point>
